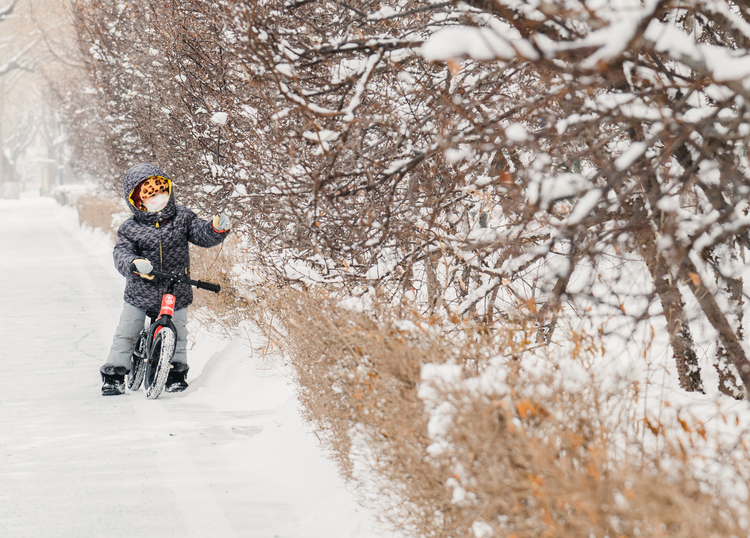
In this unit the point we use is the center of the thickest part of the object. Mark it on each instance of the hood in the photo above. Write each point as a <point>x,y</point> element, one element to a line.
<point>132,179</point>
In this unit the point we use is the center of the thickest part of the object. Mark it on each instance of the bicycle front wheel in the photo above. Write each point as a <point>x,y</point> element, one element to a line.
<point>157,369</point>
<point>137,365</point>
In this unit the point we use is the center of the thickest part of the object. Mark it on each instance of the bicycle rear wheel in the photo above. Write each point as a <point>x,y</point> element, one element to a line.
<point>158,367</point>
<point>137,365</point>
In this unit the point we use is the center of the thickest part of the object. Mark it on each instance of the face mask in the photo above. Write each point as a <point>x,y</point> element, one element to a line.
<point>156,203</point>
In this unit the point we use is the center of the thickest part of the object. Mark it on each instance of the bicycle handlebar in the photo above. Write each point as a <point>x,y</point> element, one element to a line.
<point>180,279</point>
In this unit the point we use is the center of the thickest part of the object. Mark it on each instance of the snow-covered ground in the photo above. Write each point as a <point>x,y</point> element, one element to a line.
<point>229,457</point>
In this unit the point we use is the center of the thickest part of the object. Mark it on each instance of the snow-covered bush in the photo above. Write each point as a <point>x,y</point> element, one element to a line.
<point>502,437</point>
<point>71,194</point>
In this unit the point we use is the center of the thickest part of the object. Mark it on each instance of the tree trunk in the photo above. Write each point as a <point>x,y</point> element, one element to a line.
<point>673,306</point>
<point>552,308</point>
<point>734,352</point>
<point>727,378</point>
<point>728,382</point>
<point>434,292</point>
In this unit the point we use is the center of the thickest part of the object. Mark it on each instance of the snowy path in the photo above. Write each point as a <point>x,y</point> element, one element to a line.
<point>229,457</point>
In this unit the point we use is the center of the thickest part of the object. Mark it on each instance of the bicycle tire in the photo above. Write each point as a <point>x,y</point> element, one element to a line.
<point>158,370</point>
<point>137,366</point>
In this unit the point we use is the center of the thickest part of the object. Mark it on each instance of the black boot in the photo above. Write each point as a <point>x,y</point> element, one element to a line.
<point>176,378</point>
<point>113,378</point>
<point>113,385</point>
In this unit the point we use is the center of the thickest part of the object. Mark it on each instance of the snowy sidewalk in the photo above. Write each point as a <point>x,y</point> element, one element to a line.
<point>229,457</point>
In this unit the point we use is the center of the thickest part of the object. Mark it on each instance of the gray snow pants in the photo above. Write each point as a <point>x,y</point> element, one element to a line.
<point>126,337</point>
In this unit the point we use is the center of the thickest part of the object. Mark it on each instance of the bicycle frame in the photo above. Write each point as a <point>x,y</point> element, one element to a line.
<point>165,313</point>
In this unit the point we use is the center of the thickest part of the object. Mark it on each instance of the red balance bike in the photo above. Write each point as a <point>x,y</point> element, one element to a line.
<point>152,356</point>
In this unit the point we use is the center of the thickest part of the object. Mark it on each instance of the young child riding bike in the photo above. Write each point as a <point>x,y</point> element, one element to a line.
<point>155,236</point>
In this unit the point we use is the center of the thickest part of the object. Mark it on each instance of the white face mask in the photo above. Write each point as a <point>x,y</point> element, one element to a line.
<point>156,203</point>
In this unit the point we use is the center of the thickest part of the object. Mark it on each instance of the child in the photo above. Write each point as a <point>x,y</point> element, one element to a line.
<point>156,235</point>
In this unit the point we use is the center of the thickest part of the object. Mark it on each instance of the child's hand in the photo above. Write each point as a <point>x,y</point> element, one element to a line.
<point>144,267</point>
<point>221,223</point>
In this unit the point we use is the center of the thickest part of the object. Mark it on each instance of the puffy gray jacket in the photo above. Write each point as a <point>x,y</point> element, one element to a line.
<point>162,238</point>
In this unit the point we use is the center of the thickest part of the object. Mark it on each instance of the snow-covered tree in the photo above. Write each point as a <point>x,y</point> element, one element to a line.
<point>497,150</point>
<point>31,53</point>
<point>486,159</point>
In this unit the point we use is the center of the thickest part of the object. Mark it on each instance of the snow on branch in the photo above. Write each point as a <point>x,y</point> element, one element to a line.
<point>7,10</point>
<point>15,62</point>
<point>364,72</point>
<point>720,63</point>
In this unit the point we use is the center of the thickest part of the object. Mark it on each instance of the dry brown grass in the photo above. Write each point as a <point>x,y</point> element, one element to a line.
<point>231,306</point>
<point>100,213</point>
<point>534,460</point>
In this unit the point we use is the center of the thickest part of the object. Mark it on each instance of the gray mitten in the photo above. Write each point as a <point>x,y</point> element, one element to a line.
<point>144,268</point>
<point>221,223</point>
